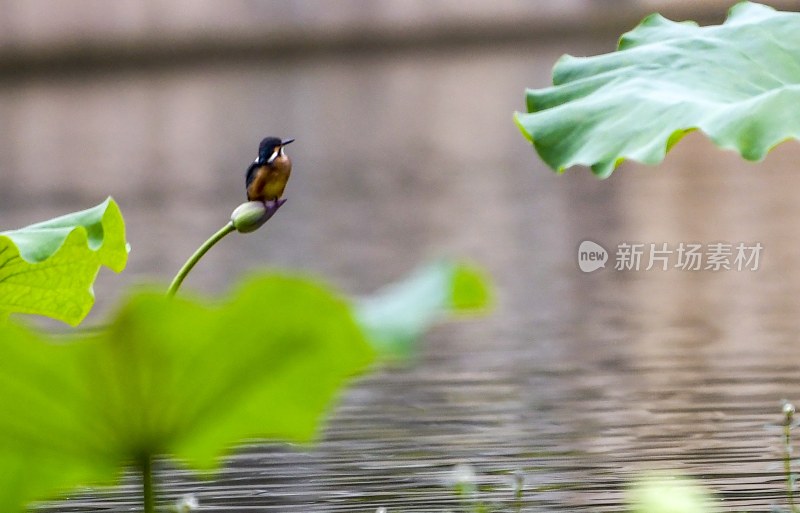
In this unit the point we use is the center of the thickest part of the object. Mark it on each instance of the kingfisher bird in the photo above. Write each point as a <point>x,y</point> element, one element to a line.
<point>269,172</point>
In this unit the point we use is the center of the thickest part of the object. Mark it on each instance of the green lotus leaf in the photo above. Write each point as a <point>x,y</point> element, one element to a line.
<point>48,268</point>
<point>176,377</point>
<point>189,378</point>
<point>395,317</point>
<point>739,83</point>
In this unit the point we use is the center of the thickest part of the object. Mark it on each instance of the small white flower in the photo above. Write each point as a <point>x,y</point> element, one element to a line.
<point>463,474</point>
<point>187,504</point>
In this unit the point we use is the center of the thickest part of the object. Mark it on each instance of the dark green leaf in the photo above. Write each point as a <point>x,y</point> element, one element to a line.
<point>738,82</point>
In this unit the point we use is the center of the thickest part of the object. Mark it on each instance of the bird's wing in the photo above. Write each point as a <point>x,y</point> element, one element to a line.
<point>251,174</point>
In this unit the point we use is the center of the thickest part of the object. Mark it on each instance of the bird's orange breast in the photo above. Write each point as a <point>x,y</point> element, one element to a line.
<point>270,181</point>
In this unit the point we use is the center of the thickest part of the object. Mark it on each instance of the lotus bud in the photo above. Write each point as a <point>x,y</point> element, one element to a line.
<point>248,217</point>
<point>788,411</point>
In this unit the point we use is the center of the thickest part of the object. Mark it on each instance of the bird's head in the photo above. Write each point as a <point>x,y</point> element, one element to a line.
<point>270,149</point>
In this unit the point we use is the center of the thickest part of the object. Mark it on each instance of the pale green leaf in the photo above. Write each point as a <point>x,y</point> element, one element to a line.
<point>396,316</point>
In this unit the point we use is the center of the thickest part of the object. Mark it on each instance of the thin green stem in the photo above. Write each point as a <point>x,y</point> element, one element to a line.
<point>202,250</point>
<point>788,414</point>
<point>146,467</point>
<point>519,487</point>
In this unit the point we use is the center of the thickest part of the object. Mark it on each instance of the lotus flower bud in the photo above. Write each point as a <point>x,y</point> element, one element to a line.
<point>249,217</point>
<point>788,411</point>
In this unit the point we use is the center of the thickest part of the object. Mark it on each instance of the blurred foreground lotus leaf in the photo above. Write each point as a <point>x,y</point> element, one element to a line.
<point>189,378</point>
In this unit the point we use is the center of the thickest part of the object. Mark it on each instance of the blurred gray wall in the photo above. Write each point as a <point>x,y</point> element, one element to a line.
<point>46,32</point>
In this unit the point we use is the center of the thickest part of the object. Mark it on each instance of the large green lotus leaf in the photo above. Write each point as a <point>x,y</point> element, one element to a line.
<point>395,317</point>
<point>48,268</point>
<point>189,378</point>
<point>171,377</point>
<point>738,82</point>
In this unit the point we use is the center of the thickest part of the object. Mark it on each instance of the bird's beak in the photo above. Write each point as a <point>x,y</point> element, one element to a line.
<point>278,151</point>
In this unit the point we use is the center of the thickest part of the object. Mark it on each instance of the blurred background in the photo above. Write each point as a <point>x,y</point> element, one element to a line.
<point>406,151</point>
